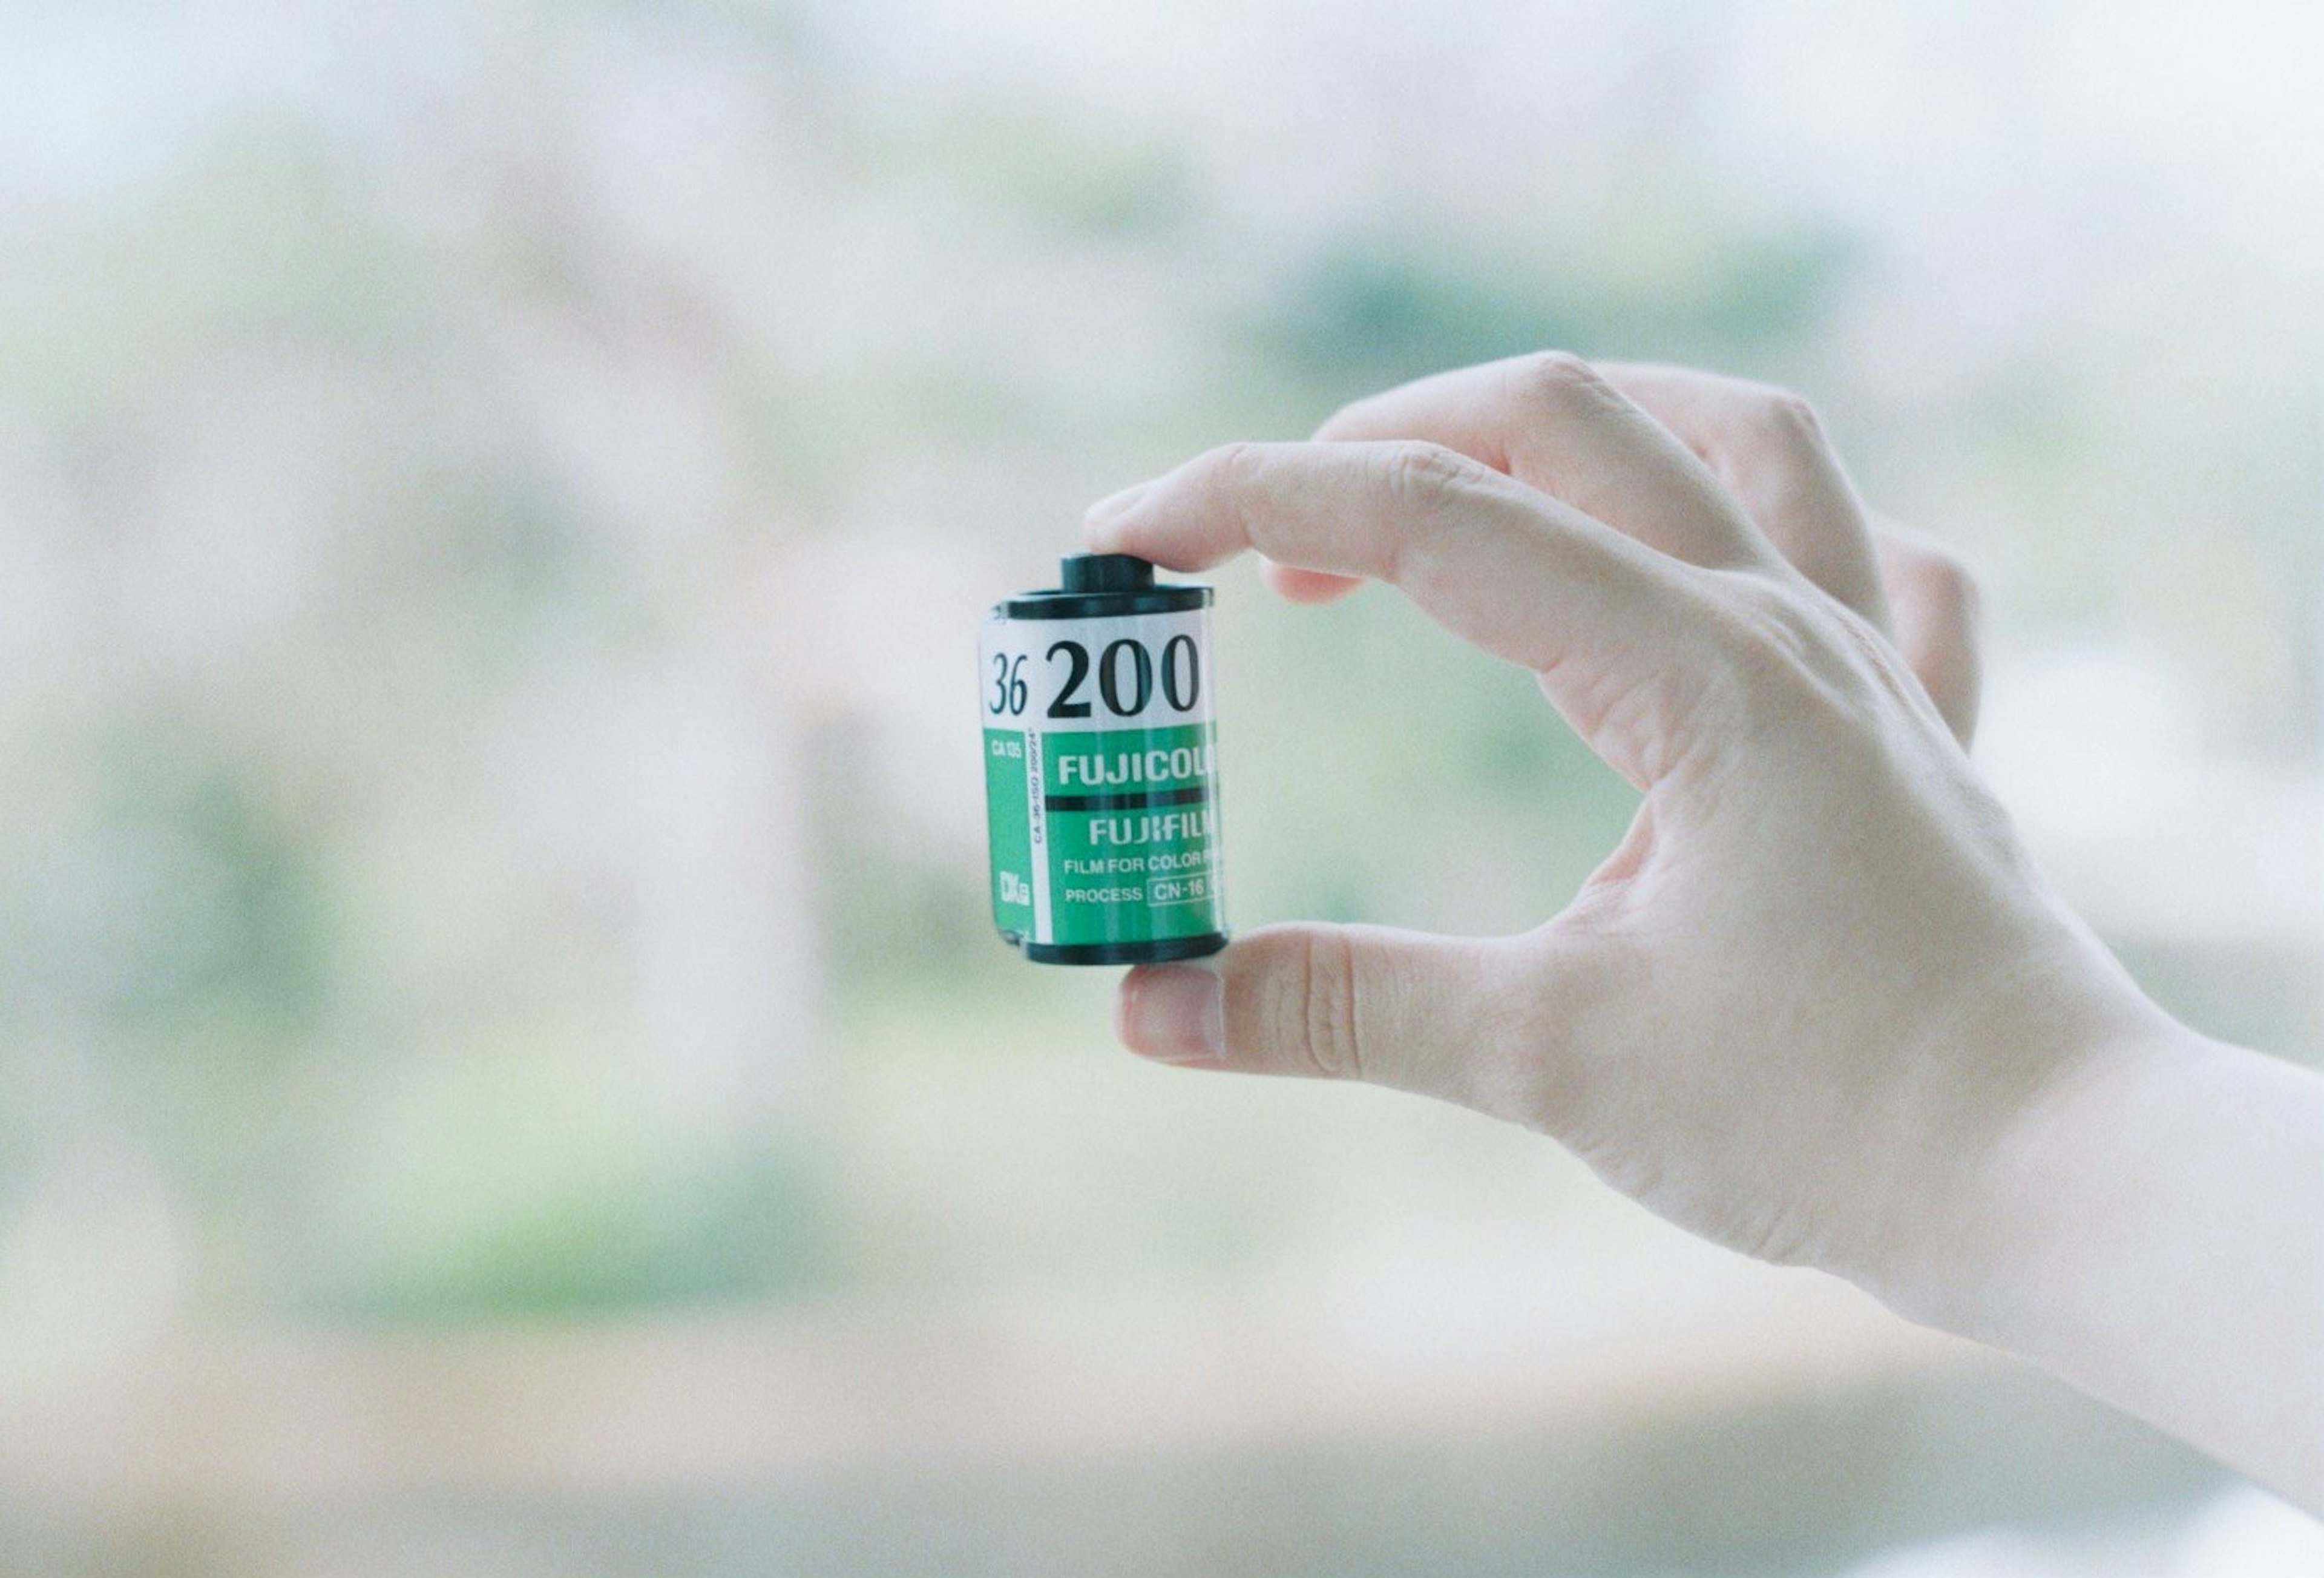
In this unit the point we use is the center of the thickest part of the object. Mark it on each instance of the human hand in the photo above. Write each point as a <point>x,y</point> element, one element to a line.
<point>1818,1005</point>
<point>1819,982</point>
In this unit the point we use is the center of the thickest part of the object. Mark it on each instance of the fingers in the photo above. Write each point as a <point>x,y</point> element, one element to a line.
<point>1433,1014</point>
<point>1766,446</point>
<point>1937,618</point>
<point>1551,421</point>
<point>1600,618</point>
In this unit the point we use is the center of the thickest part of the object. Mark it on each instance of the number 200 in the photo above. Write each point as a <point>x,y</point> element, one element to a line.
<point>1126,675</point>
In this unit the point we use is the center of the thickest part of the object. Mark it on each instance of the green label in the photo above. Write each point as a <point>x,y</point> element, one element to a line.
<point>1007,807</point>
<point>1132,835</point>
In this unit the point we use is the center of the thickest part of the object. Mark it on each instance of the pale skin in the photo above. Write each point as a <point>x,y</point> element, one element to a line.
<point>1818,1006</point>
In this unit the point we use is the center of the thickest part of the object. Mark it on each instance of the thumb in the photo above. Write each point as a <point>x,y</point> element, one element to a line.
<point>1433,1014</point>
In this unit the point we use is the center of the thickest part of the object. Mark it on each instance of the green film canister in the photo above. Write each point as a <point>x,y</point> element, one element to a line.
<point>1101,768</point>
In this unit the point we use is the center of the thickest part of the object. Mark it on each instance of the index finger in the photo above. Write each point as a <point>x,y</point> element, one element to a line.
<point>1596,614</point>
<point>1553,422</point>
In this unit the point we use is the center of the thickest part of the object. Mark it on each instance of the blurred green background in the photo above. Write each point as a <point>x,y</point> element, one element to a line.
<point>494,503</point>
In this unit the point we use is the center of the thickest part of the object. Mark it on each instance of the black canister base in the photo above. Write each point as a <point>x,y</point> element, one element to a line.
<point>1161,951</point>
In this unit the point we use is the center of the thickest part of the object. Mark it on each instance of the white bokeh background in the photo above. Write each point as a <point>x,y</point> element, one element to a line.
<point>505,1071</point>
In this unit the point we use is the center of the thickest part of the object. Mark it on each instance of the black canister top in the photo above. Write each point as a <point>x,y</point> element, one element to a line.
<point>1104,572</point>
<point>1105,586</point>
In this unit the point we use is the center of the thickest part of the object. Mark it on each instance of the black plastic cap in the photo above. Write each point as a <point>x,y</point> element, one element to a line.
<point>1104,586</point>
<point>1104,572</point>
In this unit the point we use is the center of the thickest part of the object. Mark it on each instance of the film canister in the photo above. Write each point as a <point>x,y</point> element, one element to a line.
<point>1101,768</point>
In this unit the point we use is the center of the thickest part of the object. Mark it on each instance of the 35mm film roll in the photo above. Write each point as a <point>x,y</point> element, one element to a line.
<point>1101,768</point>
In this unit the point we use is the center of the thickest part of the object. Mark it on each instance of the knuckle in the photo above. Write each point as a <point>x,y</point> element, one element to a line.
<point>1235,481</point>
<point>1559,376</point>
<point>1317,1008</point>
<point>1779,645</point>
<point>1236,464</point>
<point>1949,586</point>
<point>1780,616</point>
<point>1420,474</point>
<point>1781,427</point>
<point>1791,421</point>
<point>1802,667</point>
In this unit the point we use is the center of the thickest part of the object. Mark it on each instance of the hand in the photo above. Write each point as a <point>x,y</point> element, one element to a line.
<point>1772,1016</point>
<point>1818,1005</point>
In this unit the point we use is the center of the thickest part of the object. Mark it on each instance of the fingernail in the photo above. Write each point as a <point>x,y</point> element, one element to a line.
<point>1174,1013</point>
<point>1110,509</point>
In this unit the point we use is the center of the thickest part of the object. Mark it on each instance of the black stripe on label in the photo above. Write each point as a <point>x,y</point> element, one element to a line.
<point>1144,800</point>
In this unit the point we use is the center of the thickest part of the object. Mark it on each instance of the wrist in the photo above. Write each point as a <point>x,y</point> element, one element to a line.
<point>2150,1227</point>
<point>2000,1103</point>
<point>2004,1251</point>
